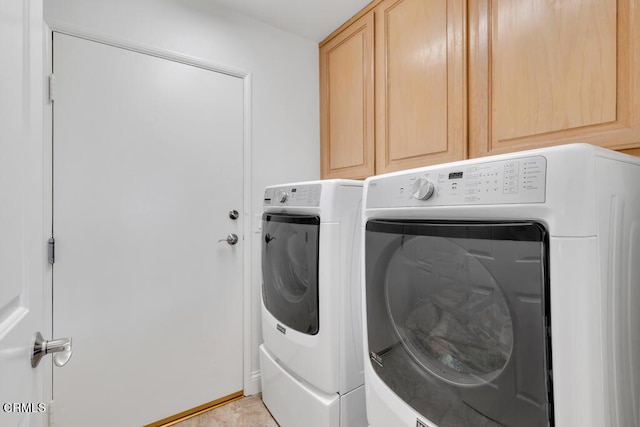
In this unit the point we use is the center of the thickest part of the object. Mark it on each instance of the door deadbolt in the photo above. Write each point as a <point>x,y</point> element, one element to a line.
<point>234,214</point>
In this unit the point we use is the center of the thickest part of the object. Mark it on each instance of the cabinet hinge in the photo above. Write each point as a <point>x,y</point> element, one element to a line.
<point>52,88</point>
<point>51,245</point>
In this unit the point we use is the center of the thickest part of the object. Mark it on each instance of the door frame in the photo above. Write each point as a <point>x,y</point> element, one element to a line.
<point>249,380</point>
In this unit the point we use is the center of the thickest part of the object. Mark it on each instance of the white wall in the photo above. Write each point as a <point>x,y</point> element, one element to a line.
<point>284,70</point>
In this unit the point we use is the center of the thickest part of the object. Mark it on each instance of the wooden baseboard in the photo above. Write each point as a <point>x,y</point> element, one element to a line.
<point>190,413</point>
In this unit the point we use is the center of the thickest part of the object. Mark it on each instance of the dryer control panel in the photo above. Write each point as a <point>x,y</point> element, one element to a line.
<point>516,180</point>
<point>302,195</point>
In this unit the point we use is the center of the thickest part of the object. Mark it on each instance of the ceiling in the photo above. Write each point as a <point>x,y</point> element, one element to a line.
<point>311,19</point>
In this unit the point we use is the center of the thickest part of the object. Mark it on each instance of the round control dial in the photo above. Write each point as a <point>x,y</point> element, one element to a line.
<point>422,189</point>
<point>282,196</point>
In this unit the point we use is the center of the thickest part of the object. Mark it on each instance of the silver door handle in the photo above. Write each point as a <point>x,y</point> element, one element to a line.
<point>231,239</point>
<point>60,348</point>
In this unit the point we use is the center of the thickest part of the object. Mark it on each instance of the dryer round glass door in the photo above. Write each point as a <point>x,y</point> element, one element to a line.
<point>290,269</point>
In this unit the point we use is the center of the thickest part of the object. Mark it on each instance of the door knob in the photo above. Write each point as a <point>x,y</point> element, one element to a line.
<point>61,350</point>
<point>231,239</point>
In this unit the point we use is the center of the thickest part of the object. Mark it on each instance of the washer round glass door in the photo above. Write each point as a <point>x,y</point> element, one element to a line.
<point>451,316</point>
<point>290,269</point>
<point>457,319</point>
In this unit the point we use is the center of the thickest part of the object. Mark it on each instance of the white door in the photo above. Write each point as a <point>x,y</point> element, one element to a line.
<point>147,166</point>
<point>22,254</point>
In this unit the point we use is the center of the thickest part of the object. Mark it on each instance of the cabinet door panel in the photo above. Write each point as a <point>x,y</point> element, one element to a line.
<point>420,83</point>
<point>346,103</point>
<point>550,72</point>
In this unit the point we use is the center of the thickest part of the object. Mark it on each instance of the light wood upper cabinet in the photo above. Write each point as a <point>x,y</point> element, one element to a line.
<point>458,79</point>
<point>346,103</point>
<point>419,99</point>
<point>551,72</point>
<point>420,83</point>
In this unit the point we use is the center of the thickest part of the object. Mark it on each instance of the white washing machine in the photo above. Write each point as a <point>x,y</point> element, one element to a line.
<point>312,356</point>
<point>504,291</point>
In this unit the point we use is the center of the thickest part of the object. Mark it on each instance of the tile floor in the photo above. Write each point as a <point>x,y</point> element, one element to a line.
<point>246,412</point>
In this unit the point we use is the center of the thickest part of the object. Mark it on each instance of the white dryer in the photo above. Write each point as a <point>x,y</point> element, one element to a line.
<point>312,356</point>
<point>504,291</point>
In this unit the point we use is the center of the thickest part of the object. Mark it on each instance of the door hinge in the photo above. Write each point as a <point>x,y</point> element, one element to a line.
<point>52,88</point>
<point>51,245</point>
<point>51,414</point>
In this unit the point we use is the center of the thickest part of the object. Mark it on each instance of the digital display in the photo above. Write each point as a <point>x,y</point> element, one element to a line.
<point>455,175</point>
<point>293,190</point>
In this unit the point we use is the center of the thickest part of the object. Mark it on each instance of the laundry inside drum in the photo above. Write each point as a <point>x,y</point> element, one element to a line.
<point>448,311</point>
<point>292,273</point>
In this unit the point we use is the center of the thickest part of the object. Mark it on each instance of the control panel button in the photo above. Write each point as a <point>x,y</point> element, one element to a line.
<point>422,189</point>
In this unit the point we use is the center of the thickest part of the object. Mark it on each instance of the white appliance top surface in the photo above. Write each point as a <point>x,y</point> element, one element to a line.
<point>306,193</point>
<point>565,177</point>
<point>293,195</point>
<point>516,180</point>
